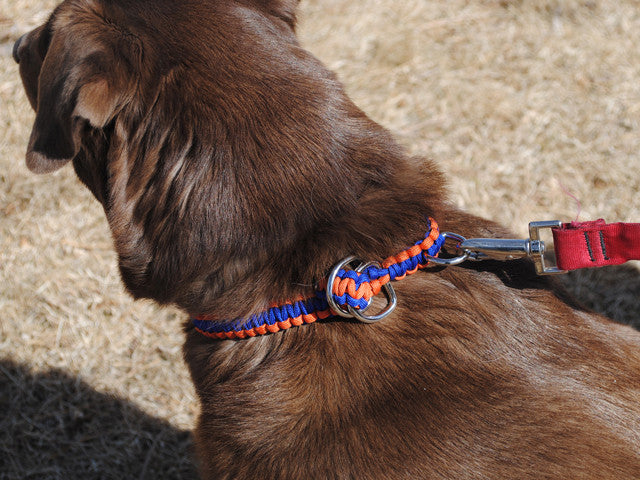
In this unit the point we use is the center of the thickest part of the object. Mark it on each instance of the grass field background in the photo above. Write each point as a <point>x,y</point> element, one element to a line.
<point>532,108</point>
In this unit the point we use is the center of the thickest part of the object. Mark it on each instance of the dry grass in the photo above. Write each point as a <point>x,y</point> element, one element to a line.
<point>518,101</point>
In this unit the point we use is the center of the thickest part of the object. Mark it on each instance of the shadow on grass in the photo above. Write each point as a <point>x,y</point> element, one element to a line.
<point>611,291</point>
<point>53,426</point>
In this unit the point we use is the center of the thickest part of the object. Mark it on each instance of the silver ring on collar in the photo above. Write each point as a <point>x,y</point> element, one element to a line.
<point>351,312</point>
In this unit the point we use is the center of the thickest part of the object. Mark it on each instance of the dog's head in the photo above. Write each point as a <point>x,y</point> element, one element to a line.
<point>214,142</point>
<point>93,59</point>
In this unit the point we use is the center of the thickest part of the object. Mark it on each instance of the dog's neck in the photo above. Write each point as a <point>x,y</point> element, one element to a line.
<point>237,263</point>
<point>228,215</point>
<point>384,220</point>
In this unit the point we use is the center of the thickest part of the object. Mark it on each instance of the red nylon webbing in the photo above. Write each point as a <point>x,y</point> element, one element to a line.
<point>596,244</point>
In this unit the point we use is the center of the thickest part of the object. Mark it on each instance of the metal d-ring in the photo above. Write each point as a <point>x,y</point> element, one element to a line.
<point>350,312</point>
<point>392,300</point>
<point>330,282</point>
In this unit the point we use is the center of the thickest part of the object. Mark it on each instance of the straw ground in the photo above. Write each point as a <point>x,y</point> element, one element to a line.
<point>524,104</point>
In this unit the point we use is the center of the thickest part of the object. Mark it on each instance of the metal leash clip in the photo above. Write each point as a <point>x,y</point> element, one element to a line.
<point>503,248</point>
<point>351,312</point>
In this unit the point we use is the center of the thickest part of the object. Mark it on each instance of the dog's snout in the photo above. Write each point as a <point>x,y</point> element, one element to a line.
<point>16,46</point>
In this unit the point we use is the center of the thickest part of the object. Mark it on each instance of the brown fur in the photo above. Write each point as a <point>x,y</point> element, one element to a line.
<point>234,172</point>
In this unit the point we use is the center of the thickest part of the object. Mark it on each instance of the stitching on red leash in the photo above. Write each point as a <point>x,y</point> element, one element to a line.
<point>596,244</point>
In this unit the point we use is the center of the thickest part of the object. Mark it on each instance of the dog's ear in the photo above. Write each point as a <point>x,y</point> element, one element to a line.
<point>284,9</point>
<point>80,81</point>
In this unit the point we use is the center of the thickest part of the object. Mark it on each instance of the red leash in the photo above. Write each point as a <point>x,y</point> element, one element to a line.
<point>595,244</point>
<point>577,245</point>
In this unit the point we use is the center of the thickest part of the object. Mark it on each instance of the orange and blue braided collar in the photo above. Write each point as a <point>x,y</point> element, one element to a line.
<point>349,289</point>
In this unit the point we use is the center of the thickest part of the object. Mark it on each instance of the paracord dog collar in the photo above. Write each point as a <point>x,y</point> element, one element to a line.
<point>351,293</point>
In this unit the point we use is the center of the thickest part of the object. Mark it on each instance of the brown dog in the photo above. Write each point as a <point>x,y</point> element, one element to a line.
<point>234,173</point>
